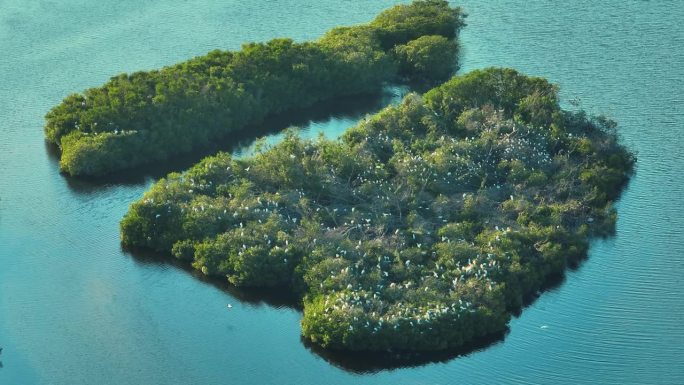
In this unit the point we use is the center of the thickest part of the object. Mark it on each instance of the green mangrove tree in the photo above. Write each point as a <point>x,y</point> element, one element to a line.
<point>151,116</point>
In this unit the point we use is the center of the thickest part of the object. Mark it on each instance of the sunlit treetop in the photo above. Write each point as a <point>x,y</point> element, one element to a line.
<point>151,116</point>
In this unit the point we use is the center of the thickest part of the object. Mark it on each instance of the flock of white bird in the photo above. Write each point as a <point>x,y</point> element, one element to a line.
<point>374,206</point>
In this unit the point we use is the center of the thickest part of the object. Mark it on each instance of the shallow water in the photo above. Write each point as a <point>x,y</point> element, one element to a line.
<point>76,309</point>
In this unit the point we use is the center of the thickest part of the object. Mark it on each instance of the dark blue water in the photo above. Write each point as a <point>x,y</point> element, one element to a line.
<point>76,309</point>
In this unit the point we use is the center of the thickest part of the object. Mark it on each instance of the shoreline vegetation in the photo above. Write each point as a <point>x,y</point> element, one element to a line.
<point>156,115</point>
<point>423,228</point>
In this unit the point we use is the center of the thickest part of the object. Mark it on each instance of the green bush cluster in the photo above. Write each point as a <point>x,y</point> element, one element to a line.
<point>421,228</point>
<point>151,116</point>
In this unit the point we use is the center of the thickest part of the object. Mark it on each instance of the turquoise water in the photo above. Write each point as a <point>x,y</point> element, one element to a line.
<point>76,309</point>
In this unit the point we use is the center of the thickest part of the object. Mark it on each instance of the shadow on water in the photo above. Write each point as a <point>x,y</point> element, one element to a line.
<point>275,297</point>
<point>348,108</point>
<point>374,362</point>
<point>351,361</point>
<point>354,362</point>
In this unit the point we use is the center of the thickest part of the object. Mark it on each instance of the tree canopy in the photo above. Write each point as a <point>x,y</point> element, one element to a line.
<point>422,228</point>
<point>151,116</point>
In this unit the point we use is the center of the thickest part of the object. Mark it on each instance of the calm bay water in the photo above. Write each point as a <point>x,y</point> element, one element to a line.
<point>76,309</point>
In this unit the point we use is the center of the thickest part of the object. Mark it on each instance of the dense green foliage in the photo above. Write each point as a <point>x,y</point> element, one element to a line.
<point>421,228</point>
<point>151,116</point>
<point>427,58</point>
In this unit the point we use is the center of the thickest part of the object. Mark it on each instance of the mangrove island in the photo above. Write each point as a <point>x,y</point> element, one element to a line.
<point>152,116</point>
<point>421,229</point>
